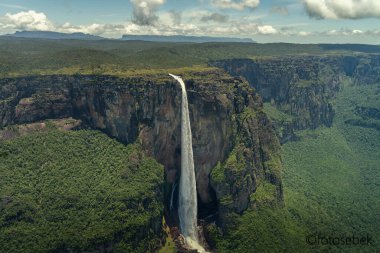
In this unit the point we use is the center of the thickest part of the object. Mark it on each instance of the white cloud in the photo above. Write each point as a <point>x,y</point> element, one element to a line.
<point>94,29</point>
<point>345,32</point>
<point>28,20</point>
<point>354,32</point>
<point>304,34</point>
<point>166,24</point>
<point>266,29</point>
<point>237,5</point>
<point>334,33</point>
<point>357,32</point>
<point>144,11</point>
<point>342,9</point>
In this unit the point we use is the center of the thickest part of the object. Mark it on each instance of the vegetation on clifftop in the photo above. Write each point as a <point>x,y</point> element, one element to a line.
<point>20,57</point>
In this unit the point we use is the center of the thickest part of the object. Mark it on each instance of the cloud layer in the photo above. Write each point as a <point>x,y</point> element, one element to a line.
<point>237,5</point>
<point>343,9</point>
<point>147,18</point>
<point>216,17</point>
<point>166,23</point>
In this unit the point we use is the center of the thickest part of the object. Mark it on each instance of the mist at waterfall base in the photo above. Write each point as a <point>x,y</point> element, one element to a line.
<point>187,209</point>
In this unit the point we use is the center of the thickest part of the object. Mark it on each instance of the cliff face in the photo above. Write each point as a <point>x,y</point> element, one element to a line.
<point>148,110</point>
<point>367,70</point>
<point>302,87</point>
<point>28,100</point>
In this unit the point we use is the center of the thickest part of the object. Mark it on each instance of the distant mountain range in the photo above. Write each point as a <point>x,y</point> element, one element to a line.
<point>54,35</point>
<point>153,38</point>
<point>181,38</point>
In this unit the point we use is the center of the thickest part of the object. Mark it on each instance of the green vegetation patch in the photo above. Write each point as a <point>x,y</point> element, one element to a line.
<point>217,174</point>
<point>275,114</point>
<point>235,162</point>
<point>233,167</point>
<point>264,194</point>
<point>77,190</point>
<point>260,230</point>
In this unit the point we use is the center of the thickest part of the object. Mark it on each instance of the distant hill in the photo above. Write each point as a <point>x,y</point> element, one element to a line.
<point>151,38</point>
<point>181,38</point>
<point>54,35</point>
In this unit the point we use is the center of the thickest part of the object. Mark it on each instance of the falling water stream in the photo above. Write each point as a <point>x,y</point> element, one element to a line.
<point>187,209</point>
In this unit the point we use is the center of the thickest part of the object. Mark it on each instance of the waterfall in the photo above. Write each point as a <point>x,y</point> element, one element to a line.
<point>172,196</point>
<point>187,208</point>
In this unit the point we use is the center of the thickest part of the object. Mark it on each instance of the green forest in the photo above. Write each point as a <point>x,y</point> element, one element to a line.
<point>77,190</point>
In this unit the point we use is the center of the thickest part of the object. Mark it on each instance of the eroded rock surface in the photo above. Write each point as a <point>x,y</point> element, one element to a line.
<point>225,115</point>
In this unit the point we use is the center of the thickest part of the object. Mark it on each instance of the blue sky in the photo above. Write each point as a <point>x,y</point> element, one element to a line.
<point>299,21</point>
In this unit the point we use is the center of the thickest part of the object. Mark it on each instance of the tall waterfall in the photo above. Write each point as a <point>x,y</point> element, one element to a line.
<point>187,209</point>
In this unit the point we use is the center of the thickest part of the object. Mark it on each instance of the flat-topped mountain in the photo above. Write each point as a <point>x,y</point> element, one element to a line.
<point>54,35</point>
<point>182,38</point>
